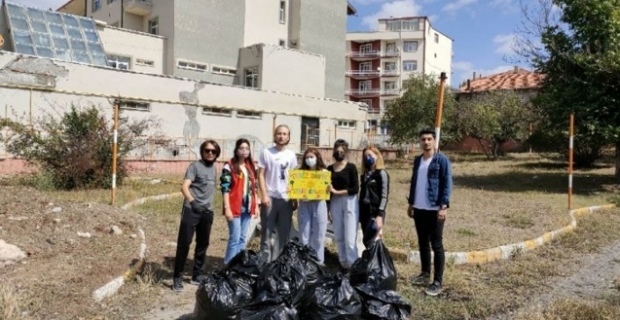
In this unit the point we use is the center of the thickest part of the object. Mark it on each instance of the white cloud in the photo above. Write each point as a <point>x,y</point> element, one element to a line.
<point>401,8</point>
<point>505,43</point>
<point>42,4</point>
<point>457,5</point>
<point>464,70</point>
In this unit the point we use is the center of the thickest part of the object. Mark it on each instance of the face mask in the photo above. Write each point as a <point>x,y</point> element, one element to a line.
<point>339,156</point>
<point>243,153</point>
<point>369,161</point>
<point>311,162</point>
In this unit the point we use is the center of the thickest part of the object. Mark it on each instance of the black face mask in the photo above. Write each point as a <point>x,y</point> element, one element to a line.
<point>207,162</point>
<point>339,156</point>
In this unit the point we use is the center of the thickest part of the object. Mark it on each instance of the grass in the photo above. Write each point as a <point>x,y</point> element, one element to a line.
<point>608,309</point>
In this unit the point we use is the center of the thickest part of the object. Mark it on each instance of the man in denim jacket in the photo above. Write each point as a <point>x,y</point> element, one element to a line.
<point>429,199</point>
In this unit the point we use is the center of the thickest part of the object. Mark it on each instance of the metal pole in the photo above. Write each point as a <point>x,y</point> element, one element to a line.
<point>530,135</point>
<point>114,151</point>
<point>570,160</point>
<point>442,81</point>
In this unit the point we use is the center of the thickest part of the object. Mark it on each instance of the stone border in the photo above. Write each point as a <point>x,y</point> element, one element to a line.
<point>505,251</point>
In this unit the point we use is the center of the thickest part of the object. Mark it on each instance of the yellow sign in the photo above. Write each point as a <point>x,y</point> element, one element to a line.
<point>309,184</point>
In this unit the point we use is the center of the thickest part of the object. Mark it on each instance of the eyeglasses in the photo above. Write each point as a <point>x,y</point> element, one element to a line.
<point>211,151</point>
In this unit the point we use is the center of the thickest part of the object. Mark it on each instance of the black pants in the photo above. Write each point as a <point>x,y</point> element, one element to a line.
<point>367,214</point>
<point>201,223</point>
<point>430,231</point>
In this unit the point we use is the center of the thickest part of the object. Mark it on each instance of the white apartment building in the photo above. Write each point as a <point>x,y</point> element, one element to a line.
<point>380,62</point>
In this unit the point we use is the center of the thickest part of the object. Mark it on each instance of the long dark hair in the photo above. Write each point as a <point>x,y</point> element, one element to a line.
<point>319,160</point>
<point>235,159</point>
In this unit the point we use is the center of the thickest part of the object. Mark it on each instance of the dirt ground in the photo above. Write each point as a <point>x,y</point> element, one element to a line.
<point>30,220</point>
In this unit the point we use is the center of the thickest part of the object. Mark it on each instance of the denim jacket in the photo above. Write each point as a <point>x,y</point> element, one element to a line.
<point>439,184</point>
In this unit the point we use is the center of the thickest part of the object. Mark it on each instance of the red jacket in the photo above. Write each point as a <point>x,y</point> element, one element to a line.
<point>232,183</point>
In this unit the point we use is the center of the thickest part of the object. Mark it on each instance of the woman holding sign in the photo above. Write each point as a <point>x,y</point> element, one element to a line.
<point>373,194</point>
<point>343,204</point>
<point>312,214</point>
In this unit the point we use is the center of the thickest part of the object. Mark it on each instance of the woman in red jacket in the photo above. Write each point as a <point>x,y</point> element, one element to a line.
<point>238,183</point>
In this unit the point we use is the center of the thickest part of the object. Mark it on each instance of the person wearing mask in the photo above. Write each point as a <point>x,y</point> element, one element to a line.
<point>343,204</point>
<point>240,202</point>
<point>312,214</point>
<point>197,214</point>
<point>374,193</point>
<point>429,199</point>
<point>276,211</point>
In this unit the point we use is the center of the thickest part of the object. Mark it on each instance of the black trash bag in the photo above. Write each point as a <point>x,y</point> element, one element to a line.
<point>375,267</point>
<point>247,263</point>
<point>334,298</point>
<point>281,279</point>
<point>313,269</point>
<point>221,295</point>
<point>383,304</point>
<point>269,310</point>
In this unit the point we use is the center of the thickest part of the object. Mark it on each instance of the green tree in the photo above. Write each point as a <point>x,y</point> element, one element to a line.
<point>497,117</point>
<point>75,151</point>
<point>580,56</point>
<point>416,110</point>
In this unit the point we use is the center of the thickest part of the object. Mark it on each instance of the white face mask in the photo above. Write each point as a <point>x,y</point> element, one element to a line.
<point>311,162</point>
<point>243,153</point>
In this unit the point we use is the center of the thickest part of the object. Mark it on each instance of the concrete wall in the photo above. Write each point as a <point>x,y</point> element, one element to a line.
<point>262,22</point>
<point>136,46</point>
<point>54,81</point>
<point>438,55</point>
<point>323,31</point>
<point>111,13</point>
<point>208,32</point>
<point>292,71</point>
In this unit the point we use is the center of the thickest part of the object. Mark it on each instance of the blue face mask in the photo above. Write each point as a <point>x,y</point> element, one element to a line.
<point>369,161</point>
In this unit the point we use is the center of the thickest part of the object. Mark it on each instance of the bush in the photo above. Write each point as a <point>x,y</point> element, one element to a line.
<point>75,152</point>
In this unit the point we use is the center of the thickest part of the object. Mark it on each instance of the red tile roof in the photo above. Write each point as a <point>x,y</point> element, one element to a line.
<point>517,79</point>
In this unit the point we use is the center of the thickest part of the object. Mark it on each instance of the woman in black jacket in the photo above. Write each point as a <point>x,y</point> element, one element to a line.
<point>374,193</point>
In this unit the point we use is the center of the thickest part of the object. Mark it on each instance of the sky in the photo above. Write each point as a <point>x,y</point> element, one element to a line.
<point>483,30</point>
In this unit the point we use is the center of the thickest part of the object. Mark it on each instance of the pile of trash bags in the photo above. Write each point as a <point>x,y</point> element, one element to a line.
<point>295,286</point>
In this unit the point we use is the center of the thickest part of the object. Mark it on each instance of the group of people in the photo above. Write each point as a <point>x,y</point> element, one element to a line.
<point>250,191</point>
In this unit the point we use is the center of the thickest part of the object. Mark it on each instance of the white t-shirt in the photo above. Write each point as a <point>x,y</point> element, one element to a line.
<point>277,164</point>
<point>421,196</point>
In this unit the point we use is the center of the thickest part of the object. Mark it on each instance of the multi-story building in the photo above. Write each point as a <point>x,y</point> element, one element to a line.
<point>203,38</point>
<point>380,62</point>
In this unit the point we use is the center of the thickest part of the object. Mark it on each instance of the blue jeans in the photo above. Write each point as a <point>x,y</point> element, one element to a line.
<point>312,221</point>
<point>237,232</point>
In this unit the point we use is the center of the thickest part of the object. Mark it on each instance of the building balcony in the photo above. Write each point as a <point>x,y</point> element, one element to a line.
<point>374,110</point>
<point>364,55</point>
<point>390,73</point>
<point>365,93</point>
<point>390,92</point>
<point>139,7</point>
<point>390,53</point>
<point>364,73</point>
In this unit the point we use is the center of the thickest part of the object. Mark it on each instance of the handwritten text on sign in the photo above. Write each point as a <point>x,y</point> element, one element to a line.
<point>309,184</point>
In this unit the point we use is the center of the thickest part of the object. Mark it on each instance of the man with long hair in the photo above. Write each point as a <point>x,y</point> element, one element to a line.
<point>276,211</point>
<point>197,214</point>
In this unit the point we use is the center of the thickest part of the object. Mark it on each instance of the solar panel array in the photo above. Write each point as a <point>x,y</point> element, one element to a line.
<point>55,35</point>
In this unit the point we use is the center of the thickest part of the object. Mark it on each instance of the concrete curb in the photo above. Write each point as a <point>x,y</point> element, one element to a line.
<point>110,288</point>
<point>505,251</point>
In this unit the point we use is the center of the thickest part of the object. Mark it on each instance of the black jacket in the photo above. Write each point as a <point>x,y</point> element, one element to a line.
<point>374,191</point>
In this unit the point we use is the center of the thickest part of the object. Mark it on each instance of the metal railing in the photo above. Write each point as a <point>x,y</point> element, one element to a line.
<point>372,73</point>
<point>364,92</point>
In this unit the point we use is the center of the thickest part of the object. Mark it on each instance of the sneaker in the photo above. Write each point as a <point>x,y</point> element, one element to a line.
<point>422,279</point>
<point>196,280</point>
<point>434,289</point>
<point>177,284</point>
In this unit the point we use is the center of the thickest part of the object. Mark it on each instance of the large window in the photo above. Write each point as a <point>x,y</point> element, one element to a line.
<point>410,46</point>
<point>251,77</point>
<point>154,26</point>
<point>410,65</point>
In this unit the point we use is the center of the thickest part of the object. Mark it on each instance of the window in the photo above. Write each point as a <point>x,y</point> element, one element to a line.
<point>251,77</point>
<point>393,25</point>
<point>411,25</point>
<point>282,11</point>
<point>410,46</point>
<point>223,70</point>
<point>436,38</point>
<point>346,124</point>
<point>282,43</point>
<point>248,114</point>
<point>365,66</point>
<point>365,85</point>
<point>135,105</point>
<point>216,111</point>
<point>119,62</point>
<point>389,85</point>
<point>389,66</point>
<point>192,66</point>
<point>366,48</point>
<point>368,102</point>
<point>146,63</point>
<point>154,26</point>
<point>410,65</point>
<point>96,5</point>
<point>390,48</point>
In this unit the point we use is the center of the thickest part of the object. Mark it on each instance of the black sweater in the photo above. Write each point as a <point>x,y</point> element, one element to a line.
<point>346,178</point>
